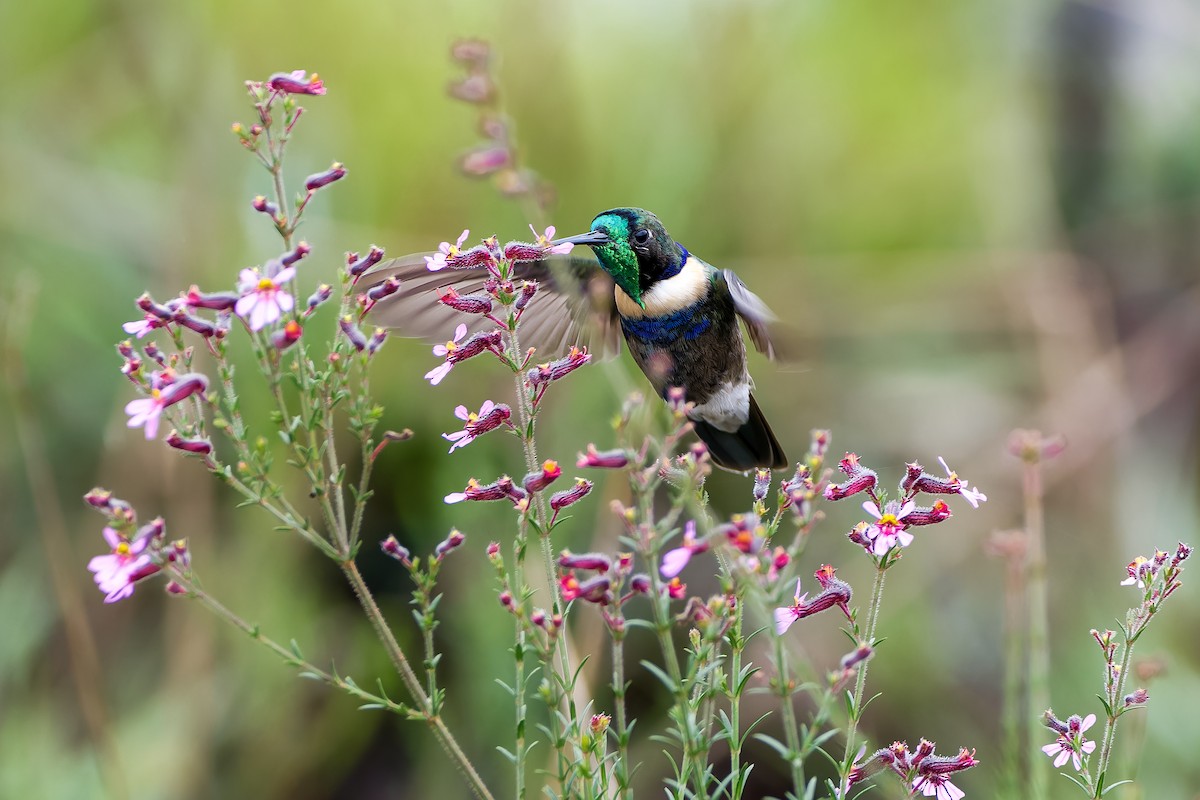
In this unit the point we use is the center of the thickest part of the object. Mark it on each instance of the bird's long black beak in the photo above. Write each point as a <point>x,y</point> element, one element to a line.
<point>591,237</point>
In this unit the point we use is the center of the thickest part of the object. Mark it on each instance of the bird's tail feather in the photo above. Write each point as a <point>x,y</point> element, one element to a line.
<point>752,445</point>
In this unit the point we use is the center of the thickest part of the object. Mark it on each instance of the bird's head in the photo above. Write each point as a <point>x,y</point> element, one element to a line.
<point>634,248</point>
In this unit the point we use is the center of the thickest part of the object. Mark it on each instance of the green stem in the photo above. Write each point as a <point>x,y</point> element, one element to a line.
<point>412,683</point>
<point>861,683</point>
<point>790,724</point>
<point>1110,727</point>
<point>735,704</point>
<point>289,656</point>
<point>518,589</point>
<point>618,686</point>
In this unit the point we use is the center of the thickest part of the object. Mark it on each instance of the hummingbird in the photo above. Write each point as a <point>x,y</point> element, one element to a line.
<point>677,314</point>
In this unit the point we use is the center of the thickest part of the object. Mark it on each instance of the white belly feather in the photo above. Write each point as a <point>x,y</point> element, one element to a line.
<point>728,409</point>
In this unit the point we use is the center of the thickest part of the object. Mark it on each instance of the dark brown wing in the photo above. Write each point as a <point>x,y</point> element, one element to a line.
<point>574,304</point>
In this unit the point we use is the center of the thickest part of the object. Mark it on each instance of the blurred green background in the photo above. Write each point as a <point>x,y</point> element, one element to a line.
<point>980,215</point>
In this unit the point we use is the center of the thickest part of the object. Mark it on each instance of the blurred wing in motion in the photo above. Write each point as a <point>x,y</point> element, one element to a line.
<point>574,304</point>
<point>768,336</point>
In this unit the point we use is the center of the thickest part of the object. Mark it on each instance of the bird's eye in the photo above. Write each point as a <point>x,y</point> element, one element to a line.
<point>641,236</point>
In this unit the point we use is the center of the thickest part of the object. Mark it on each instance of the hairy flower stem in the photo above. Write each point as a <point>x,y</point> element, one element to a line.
<point>790,725</point>
<point>618,686</point>
<point>411,682</point>
<point>521,710</point>
<point>561,686</point>
<point>1115,693</point>
<point>1039,644</point>
<point>861,683</point>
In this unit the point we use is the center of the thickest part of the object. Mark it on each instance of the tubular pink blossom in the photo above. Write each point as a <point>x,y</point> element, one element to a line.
<point>296,82</point>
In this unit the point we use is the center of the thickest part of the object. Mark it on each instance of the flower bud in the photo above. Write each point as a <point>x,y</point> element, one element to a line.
<point>353,334</point>
<point>396,550</point>
<point>569,497</point>
<point>560,368</point>
<point>475,303</point>
<point>264,206</point>
<point>323,293</point>
<point>640,583</point>
<point>199,446</point>
<point>471,52</point>
<point>376,341</point>
<point>592,561</point>
<point>215,301</point>
<point>200,326</point>
<point>388,287</point>
<point>762,483</point>
<point>476,88</point>
<point>528,290</point>
<point>321,179</point>
<point>537,481</point>
<point>356,266</point>
<point>485,160</point>
<point>451,542</point>
<point>287,336</point>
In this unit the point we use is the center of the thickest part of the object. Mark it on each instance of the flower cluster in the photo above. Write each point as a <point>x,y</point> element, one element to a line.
<point>1155,578</point>
<point>135,552</point>
<point>921,770</point>
<point>889,530</point>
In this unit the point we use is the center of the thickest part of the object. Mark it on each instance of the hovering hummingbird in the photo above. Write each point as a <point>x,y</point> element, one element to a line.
<point>678,315</point>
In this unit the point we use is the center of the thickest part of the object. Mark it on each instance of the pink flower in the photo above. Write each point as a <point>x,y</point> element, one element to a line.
<point>675,560</point>
<point>141,327</point>
<point>786,615</point>
<point>435,375</point>
<point>489,417</point>
<point>1139,569</point>
<point>117,572</point>
<point>544,241</point>
<point>296,82</point>
<point>1071,745</point>
<point>938,786</point>
<point>446,252</point>
<point>145,411</point>
<point>889,527</point>
<point>262,302</point>
<point>972,496</point>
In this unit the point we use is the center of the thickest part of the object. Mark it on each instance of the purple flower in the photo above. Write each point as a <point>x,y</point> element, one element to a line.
<point>296,82</point>
<point>445,254</point>
<point>889,526</point>
<point>117,572</point>
<point>1071,745</point>
<point>262,302</point>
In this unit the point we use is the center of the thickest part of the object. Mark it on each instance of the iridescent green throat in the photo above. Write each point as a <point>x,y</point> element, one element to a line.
<point>616,256</point>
